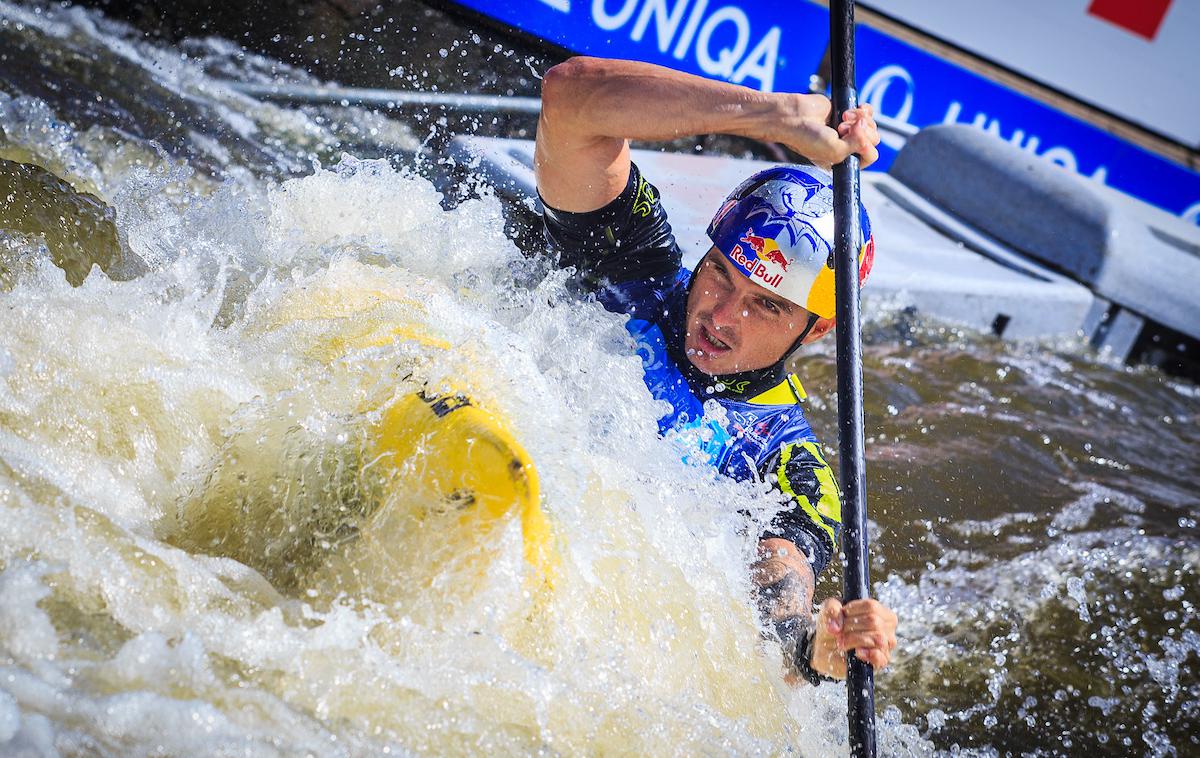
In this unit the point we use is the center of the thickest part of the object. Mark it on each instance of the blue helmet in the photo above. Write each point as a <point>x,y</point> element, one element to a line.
<point>777,229</point>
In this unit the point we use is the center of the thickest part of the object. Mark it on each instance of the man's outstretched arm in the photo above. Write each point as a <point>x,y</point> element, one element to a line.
<point>784,581</point>
<point>592,107</point>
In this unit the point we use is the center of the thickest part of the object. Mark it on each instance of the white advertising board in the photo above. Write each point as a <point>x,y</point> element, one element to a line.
<point>1136,59</point>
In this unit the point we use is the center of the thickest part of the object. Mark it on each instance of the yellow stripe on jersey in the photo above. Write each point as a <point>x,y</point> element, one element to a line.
<point>787,392</point>
<point>829,506</point>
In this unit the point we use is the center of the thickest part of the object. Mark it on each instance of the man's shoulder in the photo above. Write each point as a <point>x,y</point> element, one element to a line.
<point>646,200</point>
<point>628,239</point>
<point>649,298</point>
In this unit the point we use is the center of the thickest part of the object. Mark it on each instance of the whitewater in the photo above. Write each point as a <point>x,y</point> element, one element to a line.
<point>187,390</point>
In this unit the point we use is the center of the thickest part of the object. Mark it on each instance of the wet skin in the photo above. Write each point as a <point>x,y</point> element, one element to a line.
<point>736,325</point>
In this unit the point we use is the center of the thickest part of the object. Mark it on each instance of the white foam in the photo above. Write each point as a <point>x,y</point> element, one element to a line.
<point>123,398</point>
<point>241,371</point>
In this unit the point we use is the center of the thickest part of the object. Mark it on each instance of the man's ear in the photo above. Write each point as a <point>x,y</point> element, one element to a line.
<point>820,329</point>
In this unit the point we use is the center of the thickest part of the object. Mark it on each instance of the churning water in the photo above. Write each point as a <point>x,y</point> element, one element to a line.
<point>203,307</point>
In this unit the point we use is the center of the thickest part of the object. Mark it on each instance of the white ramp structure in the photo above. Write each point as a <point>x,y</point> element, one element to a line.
<point>968,229</point>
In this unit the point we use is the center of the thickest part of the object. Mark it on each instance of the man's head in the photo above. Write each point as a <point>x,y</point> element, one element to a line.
<point>735,325</point>
<point>766,285</point>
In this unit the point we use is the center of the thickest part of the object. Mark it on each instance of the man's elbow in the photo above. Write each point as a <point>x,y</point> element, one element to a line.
<point>565,85</point>
<point>786,551</point>
<point>572,72</point>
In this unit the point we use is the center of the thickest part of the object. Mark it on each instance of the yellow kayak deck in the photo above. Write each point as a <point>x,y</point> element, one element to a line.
<point>460,459</point>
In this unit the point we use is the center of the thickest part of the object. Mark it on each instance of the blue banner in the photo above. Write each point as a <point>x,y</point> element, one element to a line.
<point>913,86</point>
<point>776,45</point>
<point>769,45</point>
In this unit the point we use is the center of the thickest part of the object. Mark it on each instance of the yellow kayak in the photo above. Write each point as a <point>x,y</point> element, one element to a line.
<point>460,459</point>
<point>417,496</point>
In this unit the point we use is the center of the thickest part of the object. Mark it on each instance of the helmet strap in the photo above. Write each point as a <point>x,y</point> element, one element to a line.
<point>812,322</point>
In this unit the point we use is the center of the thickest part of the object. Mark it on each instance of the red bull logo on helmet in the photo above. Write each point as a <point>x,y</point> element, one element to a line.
<point>765,249</point>
<point>755,268</point>
<point>784,214</point>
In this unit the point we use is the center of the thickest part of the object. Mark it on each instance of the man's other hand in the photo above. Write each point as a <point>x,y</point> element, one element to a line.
<point>867,627</point>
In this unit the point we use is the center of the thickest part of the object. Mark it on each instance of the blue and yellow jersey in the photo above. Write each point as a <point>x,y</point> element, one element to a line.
<point>627,254</point>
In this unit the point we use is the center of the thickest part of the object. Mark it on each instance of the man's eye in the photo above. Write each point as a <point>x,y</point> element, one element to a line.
<point>771,307</point>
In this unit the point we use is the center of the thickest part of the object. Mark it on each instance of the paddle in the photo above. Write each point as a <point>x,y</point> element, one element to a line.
<point>860,683</point>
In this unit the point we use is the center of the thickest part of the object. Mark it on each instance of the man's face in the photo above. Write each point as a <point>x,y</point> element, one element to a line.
<point>734,324</point>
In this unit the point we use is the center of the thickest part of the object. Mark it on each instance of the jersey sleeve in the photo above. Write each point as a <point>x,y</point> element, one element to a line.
<point>627,240</point>
<point>814,522</point>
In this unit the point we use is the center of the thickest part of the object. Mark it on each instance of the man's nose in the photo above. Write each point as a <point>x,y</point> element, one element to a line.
<point>727,312</point>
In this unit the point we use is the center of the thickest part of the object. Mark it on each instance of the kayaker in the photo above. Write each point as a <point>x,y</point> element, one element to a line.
<point>724,331</point>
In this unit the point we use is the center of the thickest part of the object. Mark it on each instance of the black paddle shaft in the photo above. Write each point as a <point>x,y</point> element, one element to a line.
<point>860,682</point>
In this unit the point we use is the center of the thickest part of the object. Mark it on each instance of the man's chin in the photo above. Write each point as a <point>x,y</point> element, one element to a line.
<point>708,364</point>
